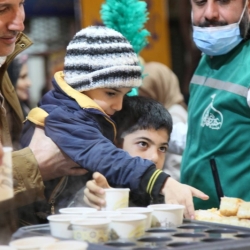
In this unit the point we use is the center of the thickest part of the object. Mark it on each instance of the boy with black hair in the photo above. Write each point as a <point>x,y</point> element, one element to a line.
<point>143,130</point>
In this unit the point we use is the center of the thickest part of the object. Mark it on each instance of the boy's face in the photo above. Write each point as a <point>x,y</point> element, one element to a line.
<point>148,144</point>
<point>109,99</point>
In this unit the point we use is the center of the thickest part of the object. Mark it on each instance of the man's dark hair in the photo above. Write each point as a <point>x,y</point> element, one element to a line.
<point>141,113</point>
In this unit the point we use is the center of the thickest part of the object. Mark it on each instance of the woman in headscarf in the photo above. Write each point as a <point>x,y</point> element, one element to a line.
<point>161,84</point>
<point>18,73</point>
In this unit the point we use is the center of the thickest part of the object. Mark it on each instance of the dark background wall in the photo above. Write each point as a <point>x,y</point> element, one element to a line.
<point>49,8</point>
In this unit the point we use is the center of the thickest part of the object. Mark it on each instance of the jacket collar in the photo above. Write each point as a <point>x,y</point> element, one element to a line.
<point>82,100</point>
<point>22,43</point>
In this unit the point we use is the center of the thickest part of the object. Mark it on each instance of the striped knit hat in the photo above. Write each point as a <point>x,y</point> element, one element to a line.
<point>100,57</point>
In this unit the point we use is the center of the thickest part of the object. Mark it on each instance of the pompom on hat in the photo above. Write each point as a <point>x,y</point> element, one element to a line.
<point>100,57</point>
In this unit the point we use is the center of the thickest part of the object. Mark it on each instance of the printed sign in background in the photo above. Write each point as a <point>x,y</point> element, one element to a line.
<point>159,42</point>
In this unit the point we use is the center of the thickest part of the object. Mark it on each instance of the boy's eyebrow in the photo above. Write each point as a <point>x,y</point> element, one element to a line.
<point>117,90</point>
<point>149,140</point>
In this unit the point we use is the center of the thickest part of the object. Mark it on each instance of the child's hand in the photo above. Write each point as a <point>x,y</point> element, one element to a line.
<point>94,193</point>
<point>177,193</point>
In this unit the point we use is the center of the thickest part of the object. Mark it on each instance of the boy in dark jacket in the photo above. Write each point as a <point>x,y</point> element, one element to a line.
<point>143,130</point>
<point>100,68</point>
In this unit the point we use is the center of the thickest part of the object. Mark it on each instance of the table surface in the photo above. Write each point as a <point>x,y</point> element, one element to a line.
<point>191,235</point>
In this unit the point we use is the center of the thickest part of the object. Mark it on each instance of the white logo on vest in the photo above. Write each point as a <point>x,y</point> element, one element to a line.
<point>211,117</point>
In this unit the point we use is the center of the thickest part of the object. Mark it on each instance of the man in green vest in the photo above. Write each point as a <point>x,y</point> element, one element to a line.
<point>217,155</point>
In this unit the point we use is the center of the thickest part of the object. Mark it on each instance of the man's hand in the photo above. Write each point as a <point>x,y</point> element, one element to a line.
<point>52,162</point>
<point>177,193</point>
<point>94,193</point>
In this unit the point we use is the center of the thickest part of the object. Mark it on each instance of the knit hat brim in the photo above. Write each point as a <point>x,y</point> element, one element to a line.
<point>112,77</point>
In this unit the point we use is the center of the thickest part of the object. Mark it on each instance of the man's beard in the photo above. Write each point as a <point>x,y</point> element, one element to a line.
<point>211,23</point>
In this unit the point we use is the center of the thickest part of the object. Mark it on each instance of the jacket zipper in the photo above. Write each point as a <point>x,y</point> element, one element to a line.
<point>56,192</point>
<point>216,177</point>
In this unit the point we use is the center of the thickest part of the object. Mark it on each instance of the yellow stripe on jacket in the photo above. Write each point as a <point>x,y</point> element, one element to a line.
<point>152,180</point>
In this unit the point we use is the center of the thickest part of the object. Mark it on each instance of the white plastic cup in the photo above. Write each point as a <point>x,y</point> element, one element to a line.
<point>127,226</point>
<point>32,243</point>
<point>167,215</point>
<point>6,179</point>
<point>139,210</point>
<point>91,230</point>
<point>66,245</point>
<point>77,210</point>
<point>103,214</point>
<point>116,198</point>
<point>59,225</point>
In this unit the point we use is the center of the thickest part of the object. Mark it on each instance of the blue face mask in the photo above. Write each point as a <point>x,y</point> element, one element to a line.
<point>214,41</point>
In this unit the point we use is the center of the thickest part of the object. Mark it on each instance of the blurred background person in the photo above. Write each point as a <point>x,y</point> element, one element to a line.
<point>161,83</point>
<point>18,73</point>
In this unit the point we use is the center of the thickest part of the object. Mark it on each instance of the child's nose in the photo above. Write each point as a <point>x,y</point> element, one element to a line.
<point>117,105</point>
<point>154,157</point>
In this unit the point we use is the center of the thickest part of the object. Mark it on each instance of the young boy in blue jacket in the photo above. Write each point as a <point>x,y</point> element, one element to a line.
<point>100,68</point>
<point>143,130</point>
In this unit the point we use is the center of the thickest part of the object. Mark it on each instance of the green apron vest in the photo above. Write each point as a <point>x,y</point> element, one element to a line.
<point>217,155</point>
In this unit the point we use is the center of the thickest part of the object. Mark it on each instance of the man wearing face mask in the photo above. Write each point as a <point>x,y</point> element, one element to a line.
<point>217,159</point>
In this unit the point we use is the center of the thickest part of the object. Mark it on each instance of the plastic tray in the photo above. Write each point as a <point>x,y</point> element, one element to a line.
<point>191,235</point>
